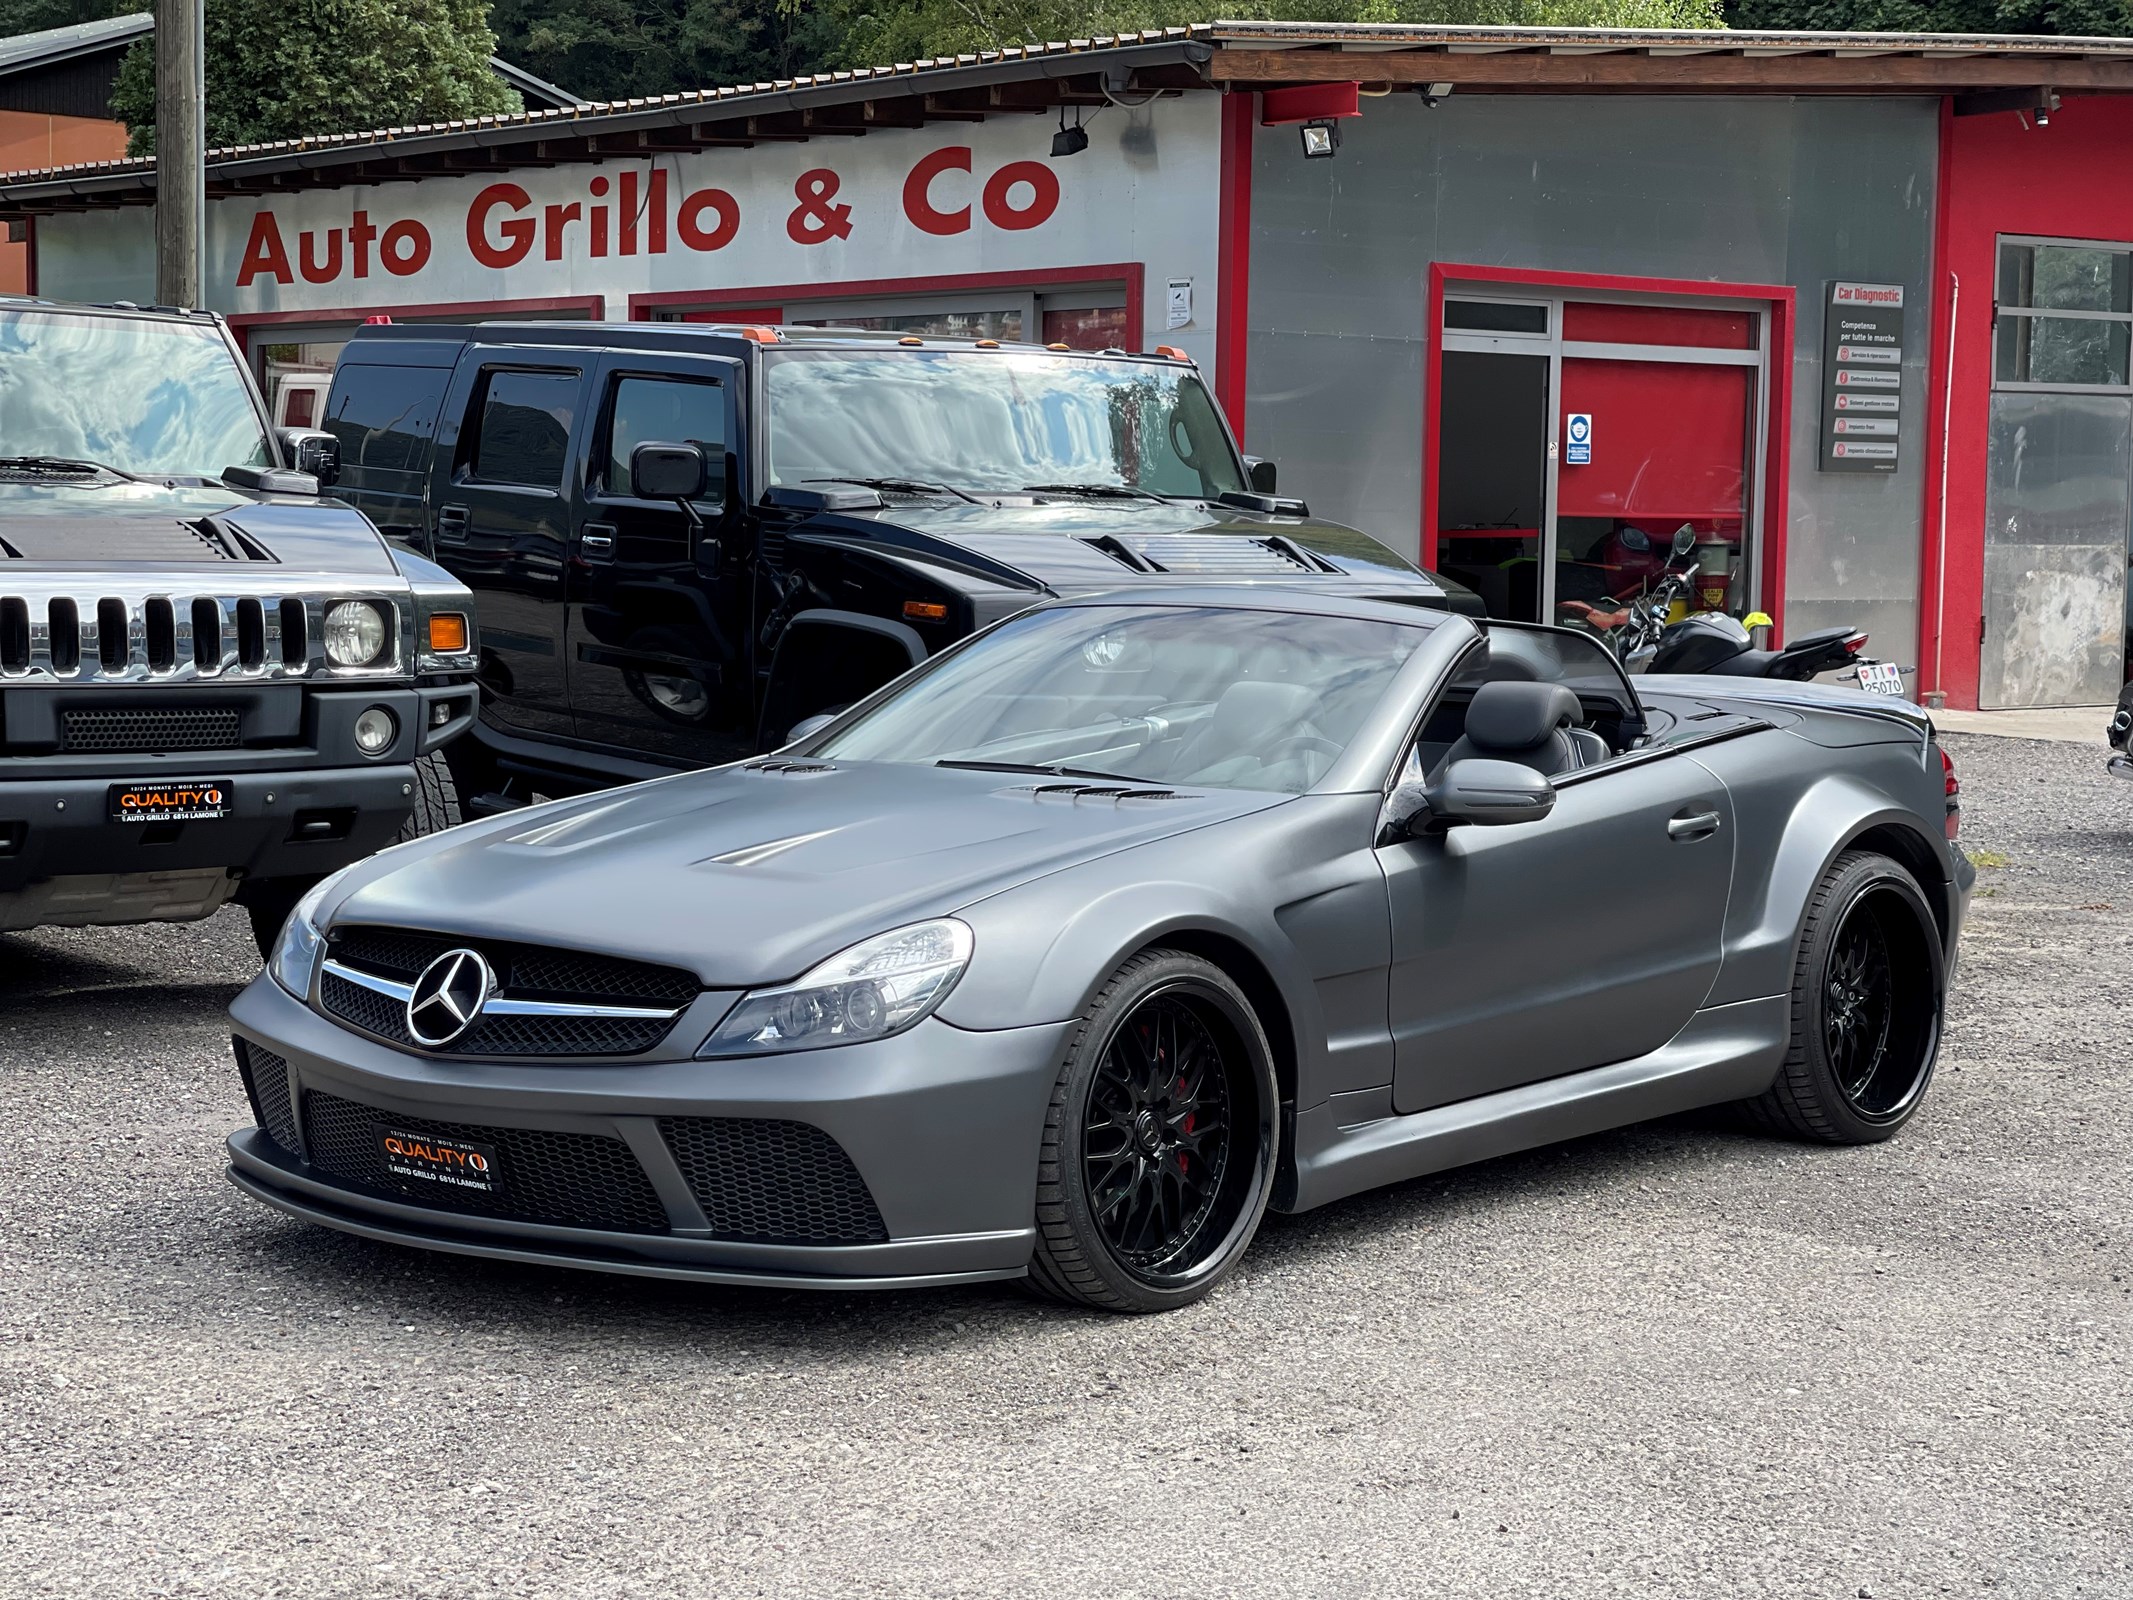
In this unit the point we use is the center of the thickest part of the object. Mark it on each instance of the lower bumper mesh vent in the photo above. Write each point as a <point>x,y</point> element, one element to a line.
<point>266,1085</point>
<point>89,731</point>
<point>777,1182</point>
<point>574,1180</point>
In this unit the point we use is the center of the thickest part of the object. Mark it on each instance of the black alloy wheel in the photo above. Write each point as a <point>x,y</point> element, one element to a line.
<point>1867,1007</point>
<point>1159,1145</point>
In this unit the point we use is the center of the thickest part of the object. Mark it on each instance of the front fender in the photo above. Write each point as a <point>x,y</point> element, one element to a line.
<point>1289,901</point>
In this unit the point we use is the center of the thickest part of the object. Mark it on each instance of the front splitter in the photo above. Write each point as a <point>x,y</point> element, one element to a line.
<point>327,1215</point>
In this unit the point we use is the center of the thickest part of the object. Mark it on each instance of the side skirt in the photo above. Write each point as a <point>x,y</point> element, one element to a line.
<point>1726,1053</point>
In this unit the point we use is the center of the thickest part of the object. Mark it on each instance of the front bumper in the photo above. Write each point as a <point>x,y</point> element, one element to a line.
<point>283,823</point>
<point>942,1125</point>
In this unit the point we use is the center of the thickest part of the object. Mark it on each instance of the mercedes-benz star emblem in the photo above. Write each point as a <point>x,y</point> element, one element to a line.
<point>448,997</point>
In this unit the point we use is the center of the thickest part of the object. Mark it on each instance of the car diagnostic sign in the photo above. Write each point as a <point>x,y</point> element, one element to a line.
<point>1862,377</point>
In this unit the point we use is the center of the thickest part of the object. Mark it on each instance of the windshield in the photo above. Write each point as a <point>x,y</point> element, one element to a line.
<point>996,421</point>
<point>157,398</point>
<point>1218,699</point>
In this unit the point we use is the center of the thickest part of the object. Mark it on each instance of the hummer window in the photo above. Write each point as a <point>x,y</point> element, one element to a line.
<point>525,428</point>
<point>666,411</point>
<point>136,394</point>
<point>996,422</point>
<point>384,416</point>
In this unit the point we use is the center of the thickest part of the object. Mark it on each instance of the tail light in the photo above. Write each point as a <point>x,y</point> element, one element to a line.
<point>1952,786</point>
<point>1855,644</point>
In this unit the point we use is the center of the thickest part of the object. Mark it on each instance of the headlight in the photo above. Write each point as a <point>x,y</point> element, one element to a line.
<point>356,634</point>
<point>301,947</point>
<point>879,987</point>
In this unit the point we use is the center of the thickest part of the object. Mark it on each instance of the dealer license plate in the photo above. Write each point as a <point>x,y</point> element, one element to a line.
<point>448,1163</point>
<point>180,800</point>
<point>1881,677</point>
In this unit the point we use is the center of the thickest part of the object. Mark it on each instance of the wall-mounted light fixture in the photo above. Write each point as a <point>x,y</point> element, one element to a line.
<point>1321,139</point>
<point>1434,94</point>
<point>1069,141</point>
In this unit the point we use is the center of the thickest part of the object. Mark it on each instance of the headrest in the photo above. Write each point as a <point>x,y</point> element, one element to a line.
<point>1273,709</point>
<point>1519,716</point>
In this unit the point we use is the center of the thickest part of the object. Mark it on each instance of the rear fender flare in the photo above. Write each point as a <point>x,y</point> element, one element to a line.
<point>1826,818</point>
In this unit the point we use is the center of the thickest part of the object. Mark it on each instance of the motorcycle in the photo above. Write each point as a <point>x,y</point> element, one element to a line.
<point>2120,736</point>
<point>1644,640</point>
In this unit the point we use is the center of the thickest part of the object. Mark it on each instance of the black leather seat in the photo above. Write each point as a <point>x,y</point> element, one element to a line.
<point>1535,724</point>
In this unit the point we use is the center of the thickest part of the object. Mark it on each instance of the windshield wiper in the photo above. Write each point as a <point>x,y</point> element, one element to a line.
<point>1098,491</point>
<point>62,464</point>
<point>1043,771</point>
<point>900,486</point>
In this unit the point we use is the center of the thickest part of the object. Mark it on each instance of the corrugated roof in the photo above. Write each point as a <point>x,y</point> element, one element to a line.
<point>27,50</point>
<point>1322,50</point>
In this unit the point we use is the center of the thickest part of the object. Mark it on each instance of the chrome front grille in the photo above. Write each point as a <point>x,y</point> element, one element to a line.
<point>85,633</point>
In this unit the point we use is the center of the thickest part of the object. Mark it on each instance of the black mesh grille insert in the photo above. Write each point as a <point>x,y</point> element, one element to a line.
<point>524,972</point>
<point>496,1036</point>
<point>266,1085</point>
<point>784,1182</point>
<point>91,730</point>
<point>578,1180</point>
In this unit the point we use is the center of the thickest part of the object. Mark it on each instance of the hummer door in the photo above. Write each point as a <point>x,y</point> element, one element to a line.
<point>658,637</point>
<point>501,524</point>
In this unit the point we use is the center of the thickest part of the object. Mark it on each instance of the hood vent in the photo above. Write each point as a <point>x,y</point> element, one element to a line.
<point>121,540</point>
<point>774,767</point>
<point>1210,554</point>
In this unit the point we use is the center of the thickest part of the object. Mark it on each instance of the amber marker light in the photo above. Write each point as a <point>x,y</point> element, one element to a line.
<point>448,632</point>
<point>925,611</point>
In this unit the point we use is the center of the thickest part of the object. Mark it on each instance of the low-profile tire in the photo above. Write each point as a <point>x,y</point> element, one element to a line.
<point>1159,1143</point>
<point>1869,988</point>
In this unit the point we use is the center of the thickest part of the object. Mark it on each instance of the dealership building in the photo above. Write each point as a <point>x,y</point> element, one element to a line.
<point>1854,309</point>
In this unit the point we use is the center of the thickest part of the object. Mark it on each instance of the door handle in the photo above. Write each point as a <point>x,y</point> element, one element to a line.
<point>596,541</point>
<point>1697,825</point>
<point>452,522</point>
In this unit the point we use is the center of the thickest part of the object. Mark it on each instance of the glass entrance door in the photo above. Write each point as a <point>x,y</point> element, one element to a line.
<point>1648,412</point>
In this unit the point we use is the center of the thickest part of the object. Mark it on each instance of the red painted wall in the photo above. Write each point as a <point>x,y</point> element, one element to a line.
<point>2068,180</point>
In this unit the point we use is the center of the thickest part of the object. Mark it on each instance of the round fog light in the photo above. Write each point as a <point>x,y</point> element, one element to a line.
<point>375,731</point>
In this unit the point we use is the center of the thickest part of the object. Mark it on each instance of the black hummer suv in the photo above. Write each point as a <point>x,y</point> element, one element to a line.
<point>685,540</point>
<point>213,684</point>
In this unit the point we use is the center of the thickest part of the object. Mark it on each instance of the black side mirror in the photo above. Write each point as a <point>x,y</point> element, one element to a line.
<point>312,451</point>
<point>1262,474</point>
<point>668,472</point>
<point>1479,792</point>
<point>1684,539</point>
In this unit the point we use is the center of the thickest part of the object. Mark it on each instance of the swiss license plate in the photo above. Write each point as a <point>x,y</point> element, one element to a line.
<point>1881,677</point>
<point>448,1163</point>
<point>174,800</point>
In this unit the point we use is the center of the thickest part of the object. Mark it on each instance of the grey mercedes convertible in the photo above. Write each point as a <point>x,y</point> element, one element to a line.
<point>1068,954</point>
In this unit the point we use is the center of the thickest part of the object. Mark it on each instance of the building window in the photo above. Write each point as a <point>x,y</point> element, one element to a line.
<point>2063,317</point>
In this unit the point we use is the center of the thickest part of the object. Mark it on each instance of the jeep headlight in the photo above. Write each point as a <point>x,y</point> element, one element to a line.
<point>356,633</point>
<point>301,947</point>
<point>877,988</point>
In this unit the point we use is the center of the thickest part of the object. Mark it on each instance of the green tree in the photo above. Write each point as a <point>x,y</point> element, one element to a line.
<point>2093,18</point>
<point>279,69</point>
<point>615,49</point>
<point>900,30</point>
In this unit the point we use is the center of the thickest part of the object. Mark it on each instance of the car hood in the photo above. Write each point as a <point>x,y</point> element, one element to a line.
<point>1075,543</point>
<point>110,522</point>
<point>750,875</point>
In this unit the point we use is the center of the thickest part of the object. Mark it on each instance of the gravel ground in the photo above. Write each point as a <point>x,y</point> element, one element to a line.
<point>1668,1361</point>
